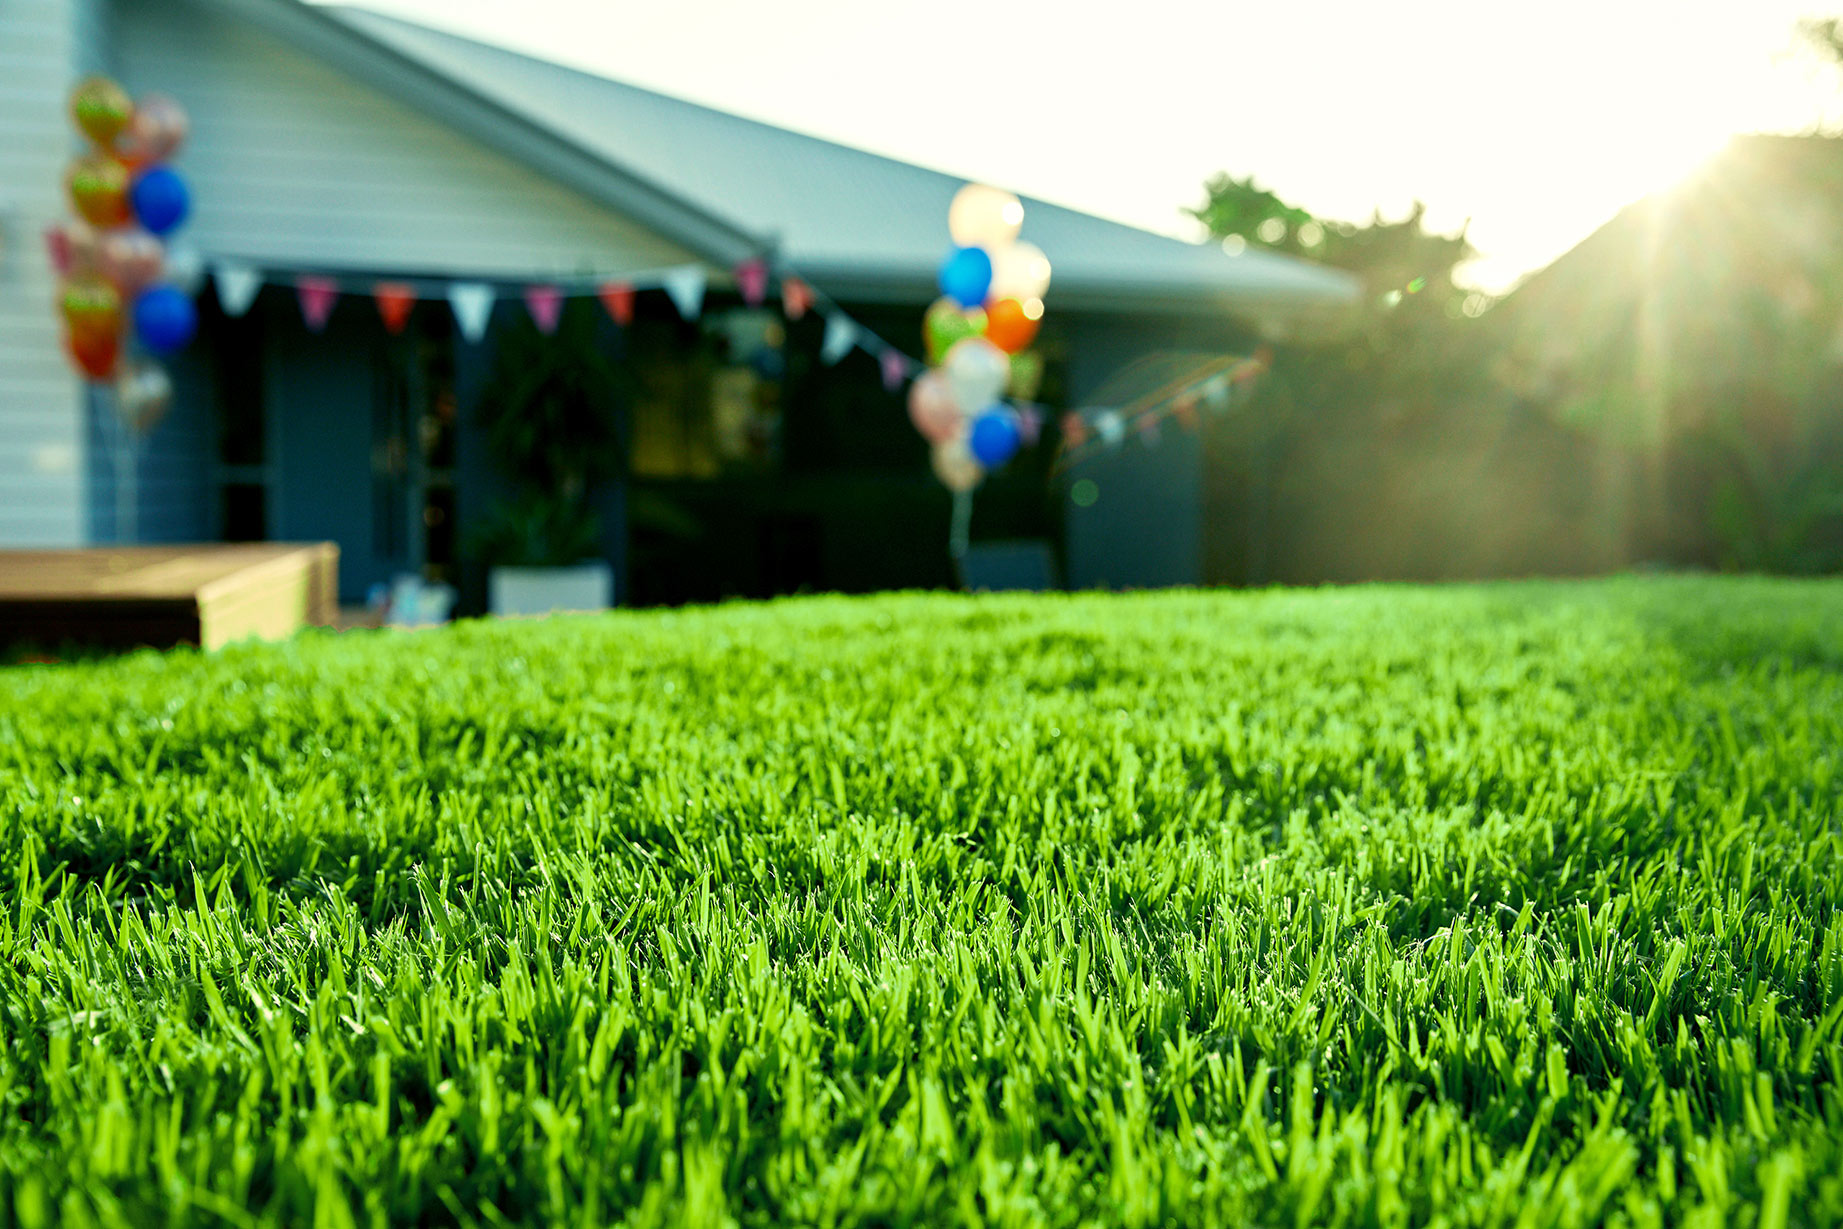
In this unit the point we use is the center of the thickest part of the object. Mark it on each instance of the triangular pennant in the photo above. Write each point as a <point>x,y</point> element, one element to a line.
<point>895,369</point>
<point>841,335</point>
<point>1074,429</point>
<point>545,303</point>
<point>686,286</point>
<point>472,305</point>
<point>394,300</point>
<point>57,247</point>
<point>752,280</point>
<point>237,286</point>
<point>618,298</point>
<point>184,268</point>
<point>317,296</point>
<point>1110,427</point>
<point>796,297</point>
<point>1215,391</point>
<point>1184,409</point>
<point>1029,425</point>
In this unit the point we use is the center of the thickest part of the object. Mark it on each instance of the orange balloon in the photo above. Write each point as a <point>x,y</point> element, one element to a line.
<point>96,355</point>
<point>1009,327</point>
<point>91,307</point>
<point>99,190</point>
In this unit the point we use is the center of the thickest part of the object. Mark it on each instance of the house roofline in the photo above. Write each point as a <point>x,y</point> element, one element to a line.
<point>541,148</point>
<point>1309,309</point>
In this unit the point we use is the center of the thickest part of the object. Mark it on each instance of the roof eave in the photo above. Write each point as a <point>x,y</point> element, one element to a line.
<point>857,283</point>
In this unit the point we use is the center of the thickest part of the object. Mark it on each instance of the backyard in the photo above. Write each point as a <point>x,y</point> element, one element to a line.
<point>1512,903</point>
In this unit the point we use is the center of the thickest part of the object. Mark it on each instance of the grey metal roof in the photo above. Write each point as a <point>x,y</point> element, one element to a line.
<point>857,224</point>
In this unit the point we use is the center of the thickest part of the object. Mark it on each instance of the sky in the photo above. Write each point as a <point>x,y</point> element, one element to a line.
<point>1534,122</point>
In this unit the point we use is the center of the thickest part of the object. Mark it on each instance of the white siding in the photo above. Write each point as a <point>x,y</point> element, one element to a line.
<point>294,164</point>
<point>44,45</point>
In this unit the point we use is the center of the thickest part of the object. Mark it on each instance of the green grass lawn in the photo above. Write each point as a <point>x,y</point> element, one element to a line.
<point>1497,905</point>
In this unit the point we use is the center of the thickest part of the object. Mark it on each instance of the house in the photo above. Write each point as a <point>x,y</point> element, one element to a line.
<point>1697,341</point>
<point>338,142</point>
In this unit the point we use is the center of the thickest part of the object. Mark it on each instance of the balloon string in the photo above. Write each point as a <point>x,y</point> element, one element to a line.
<point>962,526</point>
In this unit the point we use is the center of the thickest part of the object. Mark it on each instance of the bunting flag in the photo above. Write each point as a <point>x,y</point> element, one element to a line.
<point>685,285</point>
<point>618,298</point>
<point>895,369</point>
<point>1215,393</point>
<point>1184,409</point>
<point>1029,425</point>
<point>185,268</point>
<point>841,335</point>
<point>1214,383</point>
<point>57,247</point>
<point>237,286</point>
<point>472,302</point>
<point>394,300</point>
<point>752,280</point>
<point>1110,427</point>
<point>545,303</point>
<point>796,297</point>
<point>317,296</point>
<point>472,305</point>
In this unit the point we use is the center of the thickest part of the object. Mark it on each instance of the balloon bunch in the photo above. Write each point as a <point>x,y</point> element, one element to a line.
<point>977,336</point>
<point>112,255</point>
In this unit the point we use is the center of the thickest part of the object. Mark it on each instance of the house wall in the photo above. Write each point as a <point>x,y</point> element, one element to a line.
<point>294,164</point>
<point>1147,526</point>
<point>45,45</point>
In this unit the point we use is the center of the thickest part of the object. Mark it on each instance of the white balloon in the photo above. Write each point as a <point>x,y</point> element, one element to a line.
<point>982,216</point>
<point>977,371</point>
<point>955,465</point>
<point>143,394</point>
<point>1019,271</point>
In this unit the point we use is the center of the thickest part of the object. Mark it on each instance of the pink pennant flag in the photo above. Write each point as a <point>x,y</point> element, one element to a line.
<point>545,303</point>
<point>895,369</point>
<point>394,300</point>
<point>317,296</point>
<point>1184,409</point>
<point>796,297</point>
<point>618,298</point>
<point>752,280</point>
<point>1029,425</point>
<point>1074,429</point>
<point>57,244</point>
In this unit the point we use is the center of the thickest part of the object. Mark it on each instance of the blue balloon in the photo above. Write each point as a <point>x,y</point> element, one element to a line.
<point>160,199</point>
<point>994,439</point>
<point>966,276</point>
<point>164,319</point>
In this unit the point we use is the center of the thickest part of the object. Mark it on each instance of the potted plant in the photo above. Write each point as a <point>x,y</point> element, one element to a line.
<point>550,411</point>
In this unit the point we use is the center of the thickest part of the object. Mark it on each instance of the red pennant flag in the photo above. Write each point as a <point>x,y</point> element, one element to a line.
<point>317,296</point>
<point>1184,409</point>
<point>796,297</point>
<point>57,244</point>
<point>394,301</point>
<point>618,298</point>
<point>895,368</point>
<point>752,280</point>
<point>1074,430</point>
<point>545,303</point>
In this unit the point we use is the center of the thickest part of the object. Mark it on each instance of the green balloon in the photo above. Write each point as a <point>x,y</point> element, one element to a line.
<point>946,323</point>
